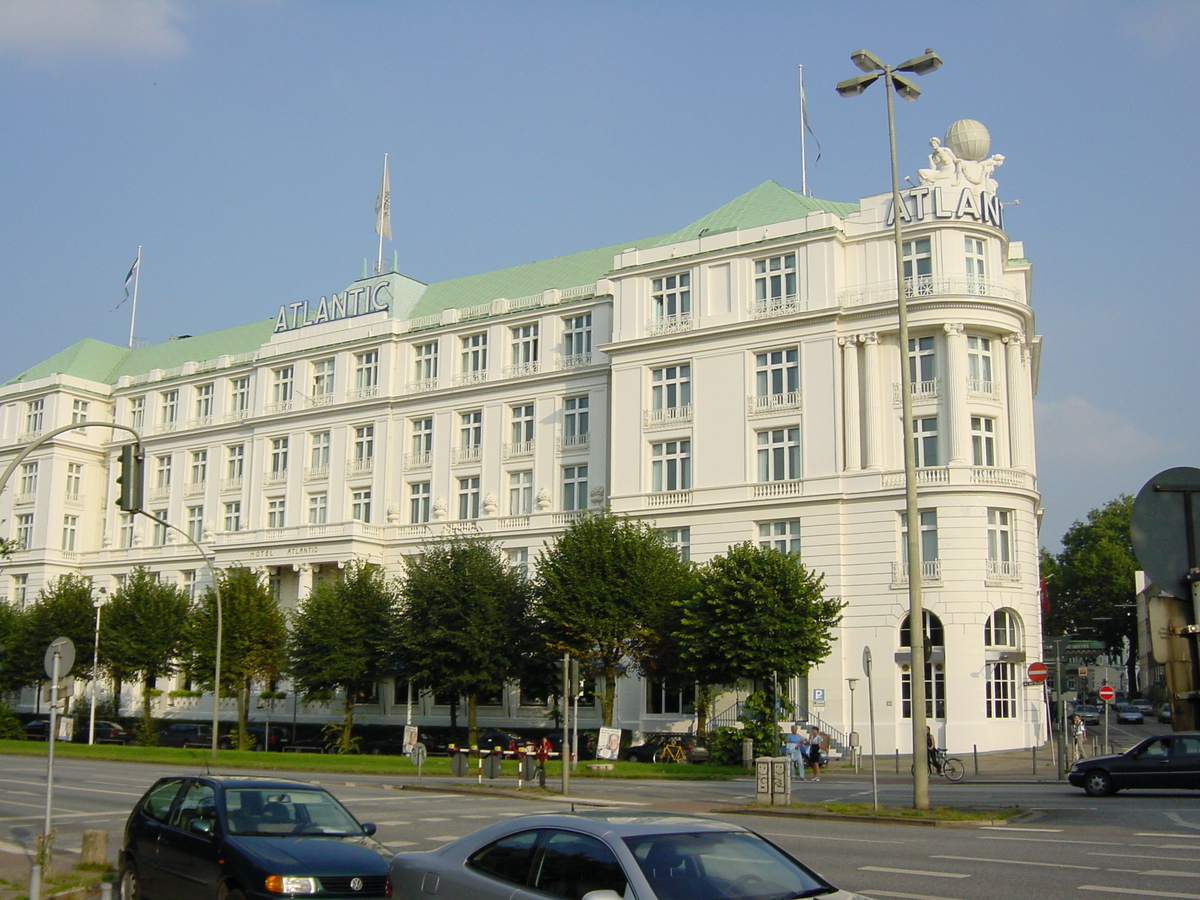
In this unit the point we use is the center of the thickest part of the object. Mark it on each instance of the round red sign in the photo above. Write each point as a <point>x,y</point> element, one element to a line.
<point>1107,693</point>
<point>1037,672</point>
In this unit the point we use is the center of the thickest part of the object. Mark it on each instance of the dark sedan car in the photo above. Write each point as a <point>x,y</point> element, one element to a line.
<point>237,838</point>
<point>607,855</point>
<point>105,733</point>
<point>667,748</point>
<point>1128,714</point>
<point>1166,762</point>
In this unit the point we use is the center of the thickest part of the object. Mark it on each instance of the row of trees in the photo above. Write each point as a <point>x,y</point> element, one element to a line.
<point>610,591</point>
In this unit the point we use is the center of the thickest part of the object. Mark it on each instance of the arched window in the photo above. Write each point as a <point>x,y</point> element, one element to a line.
<point>1002,629</point>
<point>935,635</point>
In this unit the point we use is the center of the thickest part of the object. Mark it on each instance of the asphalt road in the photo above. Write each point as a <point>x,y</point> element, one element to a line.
<point>1142,844</point>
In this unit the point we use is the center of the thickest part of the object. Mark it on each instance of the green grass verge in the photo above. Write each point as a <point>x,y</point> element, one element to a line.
<point>937,814</point>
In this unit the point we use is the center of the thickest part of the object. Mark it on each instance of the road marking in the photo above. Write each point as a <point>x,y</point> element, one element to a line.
<point>434,819</point>
<point>904,896</point>
<point>1108,855</point>
<point>393,822</point>
<point>996,837</point>
<point>920,872</point>
<point>1163,834</point>
<point>455,837</point>
<point>1139,892</point>
<point>825,837</point>
<point>1015,862</point>
<point>1169,873</point>
<point>1009,828</point>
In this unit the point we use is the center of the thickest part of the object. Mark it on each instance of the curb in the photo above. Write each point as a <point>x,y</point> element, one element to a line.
<point>816,813</point>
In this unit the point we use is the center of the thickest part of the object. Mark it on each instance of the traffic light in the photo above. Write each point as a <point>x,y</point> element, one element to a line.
<point>769,688</point>
<point>131,479</point>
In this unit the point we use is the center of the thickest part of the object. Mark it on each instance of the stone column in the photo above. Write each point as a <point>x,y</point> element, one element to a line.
<point>958,423</point>
<point>1020,402</point>
<point>304,580</point>
<point>872,407</point>
<point>851,409</point>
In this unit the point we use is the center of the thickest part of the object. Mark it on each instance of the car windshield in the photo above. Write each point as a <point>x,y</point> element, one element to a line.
<point>726,865</point>
<point>287,812</point>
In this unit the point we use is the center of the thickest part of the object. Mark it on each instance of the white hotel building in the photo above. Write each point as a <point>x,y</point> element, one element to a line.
<point>735,380</point>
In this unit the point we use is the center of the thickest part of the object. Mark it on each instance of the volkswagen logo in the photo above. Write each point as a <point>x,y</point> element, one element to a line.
<point>356,884</point>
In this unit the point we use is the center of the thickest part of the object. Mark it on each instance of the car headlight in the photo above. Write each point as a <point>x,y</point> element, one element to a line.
<point>291,884</point>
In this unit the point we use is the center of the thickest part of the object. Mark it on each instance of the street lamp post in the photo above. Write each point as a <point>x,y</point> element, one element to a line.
<point>98,603</point>
<point>906,88</point>
<point>852,682</point>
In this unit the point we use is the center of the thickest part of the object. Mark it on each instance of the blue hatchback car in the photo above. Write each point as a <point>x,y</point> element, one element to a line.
<point>236,838</point>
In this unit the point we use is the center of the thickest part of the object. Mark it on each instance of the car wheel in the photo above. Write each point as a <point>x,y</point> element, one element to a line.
<point>631,757</point>
<point>129,884</point>
<point>1098,783</point>
<point>375,751</point>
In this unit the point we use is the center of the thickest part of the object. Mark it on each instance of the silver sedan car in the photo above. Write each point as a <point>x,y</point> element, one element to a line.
<point>608,855</point>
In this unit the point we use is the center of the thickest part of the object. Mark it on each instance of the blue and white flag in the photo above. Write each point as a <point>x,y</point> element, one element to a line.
<point>129,279</point>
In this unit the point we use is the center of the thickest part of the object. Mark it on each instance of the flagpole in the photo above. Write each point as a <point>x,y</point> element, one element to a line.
<point>137,273</point>
<point>803,148</point>
<point>383,215</point>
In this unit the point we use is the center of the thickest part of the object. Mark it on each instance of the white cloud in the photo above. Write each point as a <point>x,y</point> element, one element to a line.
<point>50,30</point>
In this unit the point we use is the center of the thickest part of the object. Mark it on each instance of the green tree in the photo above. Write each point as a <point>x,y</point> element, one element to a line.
<point>11,624</point>
<point>145,626</point>
<point>466,620</point>
<point>253,639</point>
<point>345,637</point>
<point>63,609</point>
<point>601,588</point>
<point>757,613</point>
<point>1090,584</point>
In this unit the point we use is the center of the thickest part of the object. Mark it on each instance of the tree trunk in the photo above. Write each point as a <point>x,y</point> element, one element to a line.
<point>454,716</point>
<point>346,741</point>
<point>703,703</point>
<point>243,702</point>
<point>610,693</point>
<point>472,719</point>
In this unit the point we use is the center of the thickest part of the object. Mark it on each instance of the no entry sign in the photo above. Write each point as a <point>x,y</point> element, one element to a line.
<point>1107,693</point>
<point>1037,672</point>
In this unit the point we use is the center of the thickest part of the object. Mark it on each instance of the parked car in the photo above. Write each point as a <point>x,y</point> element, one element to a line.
<point>1165,714</point>
<point>1128,714</point>
<point>1145,707</point>
<point>395,745</point>
<point>606,855</point>
<point>276,739</point>
<point>36,730</point>
<point>244,838</point>
<point>183,734</point>
<point>493,738</point>
<point>1163,762</point>
<point>105,733</point>
<point>654,748</point>
<point>1089,714</point>
<point>587,743</point>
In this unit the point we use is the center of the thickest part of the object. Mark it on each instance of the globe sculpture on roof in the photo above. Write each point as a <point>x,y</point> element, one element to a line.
<point>968,139</point>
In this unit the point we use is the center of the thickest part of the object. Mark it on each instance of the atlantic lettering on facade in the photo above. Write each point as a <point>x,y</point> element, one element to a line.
<point>923,203</point>
<point>355,301</point>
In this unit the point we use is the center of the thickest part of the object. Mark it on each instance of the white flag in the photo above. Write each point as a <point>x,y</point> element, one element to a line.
<point>383,206</point>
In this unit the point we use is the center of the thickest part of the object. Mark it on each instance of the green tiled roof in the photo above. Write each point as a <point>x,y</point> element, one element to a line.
<point>764,205</point>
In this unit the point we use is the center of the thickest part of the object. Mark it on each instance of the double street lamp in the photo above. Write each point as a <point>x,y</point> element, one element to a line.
<point>906,88</point>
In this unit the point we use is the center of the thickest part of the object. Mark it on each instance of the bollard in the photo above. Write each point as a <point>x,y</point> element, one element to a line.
<point>94,850</point>
<point>975,753</point>
<point>105,891</point>
<point>1035,759</point>
<point>898,760</point>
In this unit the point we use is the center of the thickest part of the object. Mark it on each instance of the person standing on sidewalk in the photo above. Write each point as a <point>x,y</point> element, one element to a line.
<point>1079,736</point>
<point>796,742</point>
<point>816,744</point>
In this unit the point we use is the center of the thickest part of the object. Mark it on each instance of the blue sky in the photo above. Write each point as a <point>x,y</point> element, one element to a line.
<point>240,142</point>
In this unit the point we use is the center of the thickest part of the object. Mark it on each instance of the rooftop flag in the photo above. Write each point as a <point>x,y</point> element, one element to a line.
<point>383,206</point>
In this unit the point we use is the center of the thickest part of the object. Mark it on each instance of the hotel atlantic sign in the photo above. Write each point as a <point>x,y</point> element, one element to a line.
<point>355,301</point>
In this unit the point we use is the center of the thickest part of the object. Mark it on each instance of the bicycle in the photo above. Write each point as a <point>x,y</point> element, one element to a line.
<point>672,752</point>
<point>949,766</point>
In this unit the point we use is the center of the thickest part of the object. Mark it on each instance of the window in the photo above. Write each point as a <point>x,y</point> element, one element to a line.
<point>276,512</point>
<point>235,462</point>
<point>282,389</point>
<point>983,441</point>
<point>927,540</point>
<point>520,493</point>
<point>518,560</point>
<point>1001,690</point>
<point>418,502</point>
<point>159,535</point>
<point>279,457</point>
<point>774,279</point>
<point>470,434</point>
<point>137,412</point>
<point>935,691</point>
<point>1000,544</point>
<point>979,365</point>
<point>918,266</point>
<point>189,582</point>
<point>577,339</point>
<point>319,451</point>
<point>474,354</point>
<point>777,372</point>
<point>522,424</point>
<point>74,481</point>
<point>509,858</point>
<point>366,373</point>
<point>671,298</point>
<point>778,454</point>
<point>360,505</point>
<point>199,468</point>
<point>571,864</point>
<point>973,248</point>
<point>922,365</point>
<point>20,590</point>
<point>204,404</point>
<point>671,387</point>
<point>422,442</point>
<point>525,348</point>
<point>125,531</point>
<point>79,411</point>
<point>69,532</point>
<point>322,386</point>
<point>239,397</point>
<point>233,516</point>
<point>662,699</point>
<point>195,523</point>
<point>35,411</point>
<point>575,488</point>
<point>168,410</point>
<point>318,509</point>
<point>468,497</point>
<point>681,540</point>
<point>575,421</point>
<point>29,480</point>
<point>162,472</point>
<point>1002,629</point>
<point>364,443</point>
<point>670,466</point>
<point>426,356</point>
<point>925,441</point>
<point>783,536</point>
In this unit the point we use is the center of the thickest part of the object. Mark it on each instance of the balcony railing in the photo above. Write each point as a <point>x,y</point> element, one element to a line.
<point>669,498</point>
<point>768,489</point>
<point>926,286</point>
<point>1003,570</point>
<point>462,379</point>
<point>574,443</point>
<point>275,476</point>
<point>421,460</point>
<point>359,467</point>
<point>931,571</point>
<point>578,361</point>
<point>316,473</point>
<point>670,324</point>
<point>422,386</point>
<point>664,418</point>
<point>463,455</point>
<point>775,306</point>
<point>518,450</point>
<point>364,393</point>
<point>522,370</point>
<point>768,404</point>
